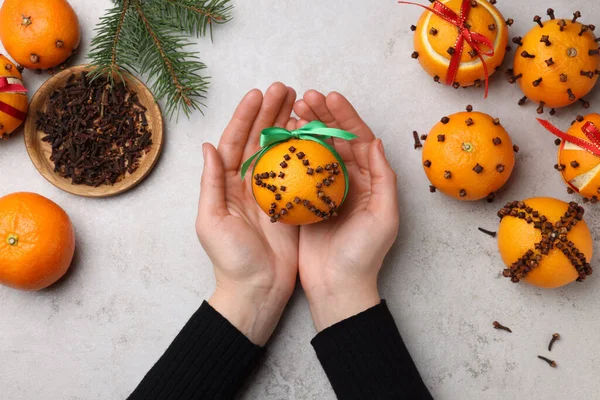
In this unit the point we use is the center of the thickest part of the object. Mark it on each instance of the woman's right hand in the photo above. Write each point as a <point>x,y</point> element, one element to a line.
<point>340,259</point>
<point>255,261</point>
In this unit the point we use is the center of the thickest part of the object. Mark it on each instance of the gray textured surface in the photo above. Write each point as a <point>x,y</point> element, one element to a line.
<point>140,273</point>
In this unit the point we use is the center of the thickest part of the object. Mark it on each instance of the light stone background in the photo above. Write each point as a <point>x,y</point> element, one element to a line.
<point>140,273</point>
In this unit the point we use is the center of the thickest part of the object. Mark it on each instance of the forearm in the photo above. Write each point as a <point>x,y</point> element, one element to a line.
<point>365,358</point>
<point>209,359</point>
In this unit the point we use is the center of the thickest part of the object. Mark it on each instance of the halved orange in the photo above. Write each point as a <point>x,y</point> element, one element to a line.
<point>434,37</point>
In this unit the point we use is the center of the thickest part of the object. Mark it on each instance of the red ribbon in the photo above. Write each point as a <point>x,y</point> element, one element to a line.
<point>6,87</point>
<point>590,131</point>
<point>474,39</point>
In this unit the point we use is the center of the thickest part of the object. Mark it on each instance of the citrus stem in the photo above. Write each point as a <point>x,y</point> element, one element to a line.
<point>12,239</point>
<point>468,147</point>
<point>26,21</point>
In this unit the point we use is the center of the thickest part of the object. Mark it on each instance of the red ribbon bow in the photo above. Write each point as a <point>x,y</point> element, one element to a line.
<point>6,87</point>
<point>474,39</point>
<point>589,129</point>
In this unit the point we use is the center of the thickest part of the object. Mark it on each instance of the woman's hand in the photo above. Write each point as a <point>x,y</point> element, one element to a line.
<point>255,261</point>
<point>341,258</point>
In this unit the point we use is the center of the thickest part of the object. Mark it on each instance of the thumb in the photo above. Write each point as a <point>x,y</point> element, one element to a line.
<point>384,195</point>
<point>212,187</point>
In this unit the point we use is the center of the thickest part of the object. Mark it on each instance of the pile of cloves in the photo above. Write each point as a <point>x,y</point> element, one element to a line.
<point>553,236</point>
<point>98,130</point>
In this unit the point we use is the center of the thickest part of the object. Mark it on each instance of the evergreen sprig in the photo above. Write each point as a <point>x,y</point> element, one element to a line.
<point>151,38</point>
<point>196,16</point>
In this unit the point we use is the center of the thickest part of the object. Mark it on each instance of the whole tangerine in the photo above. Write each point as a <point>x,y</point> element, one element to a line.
<point>556,63</point>
<point>13,103</point>
<point>39,34</point>
<point>299,182</point>
<point>544,242</point>
<point>37,241</point>
<point>435,39</point>
<point>468,156</point>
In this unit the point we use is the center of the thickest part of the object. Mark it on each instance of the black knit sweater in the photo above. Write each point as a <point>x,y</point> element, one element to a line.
<point>364,358</point>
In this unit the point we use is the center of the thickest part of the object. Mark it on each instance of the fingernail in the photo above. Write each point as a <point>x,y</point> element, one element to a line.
<point>204,151</point>
<point>381,147</point>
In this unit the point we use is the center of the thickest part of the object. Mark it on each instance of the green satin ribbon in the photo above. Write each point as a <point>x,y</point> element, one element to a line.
<point>315,131</point>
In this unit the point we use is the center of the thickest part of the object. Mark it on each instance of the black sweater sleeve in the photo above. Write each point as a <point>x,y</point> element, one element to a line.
<point>365,358</point>
<point>209,359</point>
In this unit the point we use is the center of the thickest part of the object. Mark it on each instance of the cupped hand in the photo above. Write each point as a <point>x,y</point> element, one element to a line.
<point>339,259</point>
<point>255,261</point>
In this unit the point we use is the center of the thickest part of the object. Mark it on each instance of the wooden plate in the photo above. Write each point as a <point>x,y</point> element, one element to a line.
<point>40,151</point>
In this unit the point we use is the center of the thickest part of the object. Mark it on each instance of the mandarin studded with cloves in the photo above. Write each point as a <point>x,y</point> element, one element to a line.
<point>39,34</point>
<point>435,38</point>
<point>544,242</point>
<point>307,188</point>
<point>581,168</point>
<point>475,159</point>
<point>556,63</point>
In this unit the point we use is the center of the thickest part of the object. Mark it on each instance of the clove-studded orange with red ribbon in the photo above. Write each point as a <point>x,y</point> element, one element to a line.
<point>579,155</point>
<point>493,46</point>
<point>589,130</point>
<point>12,86</point>
<point>13,98</point>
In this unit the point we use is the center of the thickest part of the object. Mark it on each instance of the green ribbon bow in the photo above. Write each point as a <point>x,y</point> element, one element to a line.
<point>315,131</point>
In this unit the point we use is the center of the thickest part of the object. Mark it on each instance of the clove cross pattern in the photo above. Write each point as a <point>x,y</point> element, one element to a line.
<point>553,235</point>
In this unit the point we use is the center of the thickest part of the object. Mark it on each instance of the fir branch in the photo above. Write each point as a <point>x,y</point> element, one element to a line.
<point>114,46</point>
<point>196,16</point>
<point>173,71</point>
<point>145,37</point>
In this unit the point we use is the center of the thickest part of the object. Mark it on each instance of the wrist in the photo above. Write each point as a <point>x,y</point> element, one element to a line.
<point>330,306</point>
<point>255,313</point>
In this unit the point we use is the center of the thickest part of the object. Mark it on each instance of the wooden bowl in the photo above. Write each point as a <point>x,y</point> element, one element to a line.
<point>40,151</point>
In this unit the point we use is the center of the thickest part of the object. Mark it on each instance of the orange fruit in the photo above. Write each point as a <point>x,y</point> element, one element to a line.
<point>434,37</point>
<point>556,63</point>
<point>13,105</point>
<point>468,156</point>
<point>544,242</point>
<point>37,241</point>
<point>39,34</point>
<point>299,182</point>
<point>579,168</point>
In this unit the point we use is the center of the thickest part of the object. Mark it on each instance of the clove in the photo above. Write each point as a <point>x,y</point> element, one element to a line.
<point>490,233</point>
<point>498,325</point>
<point>418,143</point>
<point>551,363</point>
<point>555,337</point>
